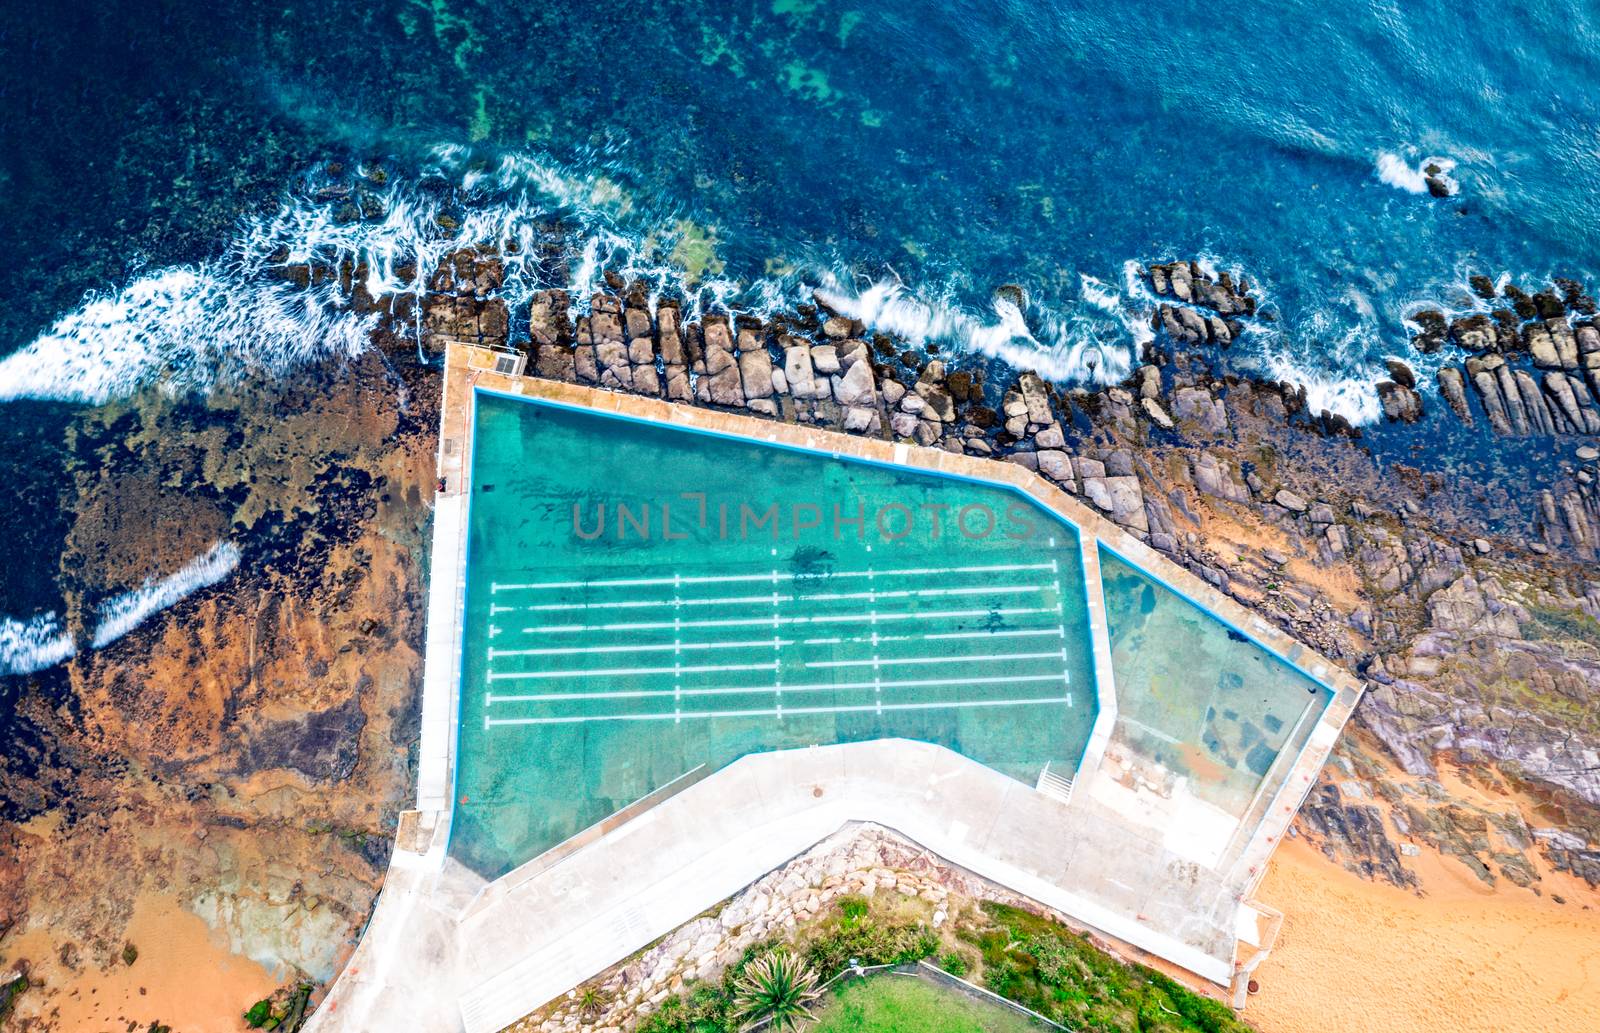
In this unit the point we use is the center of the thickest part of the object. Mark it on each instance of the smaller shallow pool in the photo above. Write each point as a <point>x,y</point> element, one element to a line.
<point>1198,698</point>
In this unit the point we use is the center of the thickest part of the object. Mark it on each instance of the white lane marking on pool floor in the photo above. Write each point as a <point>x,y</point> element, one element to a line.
<point>830,618</point>
<point>637,604</point>
<point>717,579</point>
<point>750,690</point>
<point>875,660</point>
<point>628,671</point>
<point>780,711</point>
<point>835,640</point>
<point>643,604</point>
<point>678,645</point>
<point>675,646</point>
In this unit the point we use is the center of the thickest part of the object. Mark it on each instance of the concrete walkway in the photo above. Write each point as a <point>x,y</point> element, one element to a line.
<point>526,940</point>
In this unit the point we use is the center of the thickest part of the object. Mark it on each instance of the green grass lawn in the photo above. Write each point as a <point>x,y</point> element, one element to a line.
<point>892,1003</point>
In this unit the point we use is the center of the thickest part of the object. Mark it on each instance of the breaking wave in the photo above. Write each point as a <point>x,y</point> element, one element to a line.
<point>272,303</point>
<point>127,611</point>
<point>1328,356</point>
<point>267,305</point>
<point>34,644</point>
<point>184,328</point>
<point>1098,344</point>
<point>1353,397</point>
<point>1393,170</point>
<point>42,641</point>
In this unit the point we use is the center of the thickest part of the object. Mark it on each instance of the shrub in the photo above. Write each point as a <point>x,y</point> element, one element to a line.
<point>1202,1013</point>
<point>854,909</point>
<point>259,1014</point>
<point>669,1018</point>
<point>954,964</point>
<point>1000,977</point>
<point>1051,957</point>
<point>775,989</point>
<point>872,944</point>
<point>707,1009</point>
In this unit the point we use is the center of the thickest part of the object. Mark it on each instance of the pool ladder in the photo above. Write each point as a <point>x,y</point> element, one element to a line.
<point>1054,785</point>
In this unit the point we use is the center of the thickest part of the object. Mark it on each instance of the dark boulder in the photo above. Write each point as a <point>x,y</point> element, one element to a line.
<point>1548,306</point>
<point>1520,301</point>
<point>1433,330</point>
<point>1401,374</point>
<point>1475,334</point>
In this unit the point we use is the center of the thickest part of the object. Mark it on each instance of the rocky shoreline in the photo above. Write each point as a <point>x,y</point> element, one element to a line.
<point>246,751</point>
<point>243,754</point>
<point>1469,607</point>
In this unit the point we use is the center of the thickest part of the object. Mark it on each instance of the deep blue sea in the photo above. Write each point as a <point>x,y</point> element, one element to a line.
<point>158,160</point>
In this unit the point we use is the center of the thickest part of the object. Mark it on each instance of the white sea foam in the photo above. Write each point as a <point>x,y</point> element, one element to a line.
<point>1393,170</point>
<point>1337,377</point>
<point>42,641</point>
<point>127,611</point>
<point>1073,347</point>
<point>191,327</point>
<point>33,644</point>
<point>1355,397</point>
<point>184,328</point>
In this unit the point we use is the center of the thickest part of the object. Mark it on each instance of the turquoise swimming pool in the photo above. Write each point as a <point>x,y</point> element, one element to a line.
<point>643,601</point>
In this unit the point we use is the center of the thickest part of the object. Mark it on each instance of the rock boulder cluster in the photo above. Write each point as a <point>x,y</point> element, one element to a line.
<point>1533,364</point>
<point>1210,307</point>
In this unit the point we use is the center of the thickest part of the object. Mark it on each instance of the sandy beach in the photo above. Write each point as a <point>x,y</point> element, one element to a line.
<point>184,977</point>
<point>1356,955</point>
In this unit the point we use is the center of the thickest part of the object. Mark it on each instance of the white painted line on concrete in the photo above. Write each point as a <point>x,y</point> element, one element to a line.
<point>782,711</point>
<point>1158,733</point>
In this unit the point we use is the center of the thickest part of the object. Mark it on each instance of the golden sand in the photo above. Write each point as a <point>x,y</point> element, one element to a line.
<point>184,977</point>
<point>1356,955</point>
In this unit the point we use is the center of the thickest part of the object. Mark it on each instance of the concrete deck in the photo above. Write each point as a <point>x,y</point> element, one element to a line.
<point>445,952</point>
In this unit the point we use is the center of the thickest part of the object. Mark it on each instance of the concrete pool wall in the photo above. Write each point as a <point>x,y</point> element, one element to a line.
<point>445,944</point>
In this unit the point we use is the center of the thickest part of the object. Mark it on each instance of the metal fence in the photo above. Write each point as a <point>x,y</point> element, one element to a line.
<point>934,974</point>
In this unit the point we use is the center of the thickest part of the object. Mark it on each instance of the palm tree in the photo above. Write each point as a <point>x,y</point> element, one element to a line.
<point>774,988</point>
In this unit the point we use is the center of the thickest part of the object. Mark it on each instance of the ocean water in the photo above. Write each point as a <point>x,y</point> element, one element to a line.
<point>158,162</point>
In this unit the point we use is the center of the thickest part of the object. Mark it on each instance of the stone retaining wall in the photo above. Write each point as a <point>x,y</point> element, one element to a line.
<point>861,861</point>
